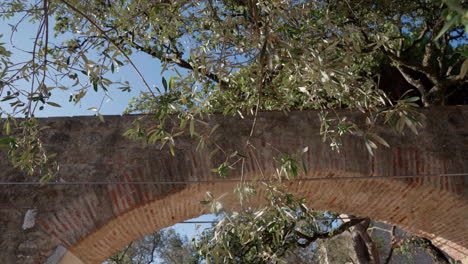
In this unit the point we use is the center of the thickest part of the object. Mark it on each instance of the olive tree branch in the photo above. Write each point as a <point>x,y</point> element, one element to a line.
<point>177,60</point>
<point>416,83</point>
<point>339,230</point>
<point>111,41</point>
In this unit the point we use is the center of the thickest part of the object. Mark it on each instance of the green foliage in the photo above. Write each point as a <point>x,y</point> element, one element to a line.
<point>275,55</point>
<point>25,149</point>
<point>222,170</point>
<point>268,234</point>
<point>265,235</point>
<point>288,166</point>
<point>404,114</point>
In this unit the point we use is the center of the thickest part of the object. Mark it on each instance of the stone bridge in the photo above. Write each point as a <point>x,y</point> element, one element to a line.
<point>87,223</point>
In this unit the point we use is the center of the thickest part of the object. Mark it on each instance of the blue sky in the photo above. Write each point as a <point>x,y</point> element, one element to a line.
<point>114,104</point>
<point>116,101</point>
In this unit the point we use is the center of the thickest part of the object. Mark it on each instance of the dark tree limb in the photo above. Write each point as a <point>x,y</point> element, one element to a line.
<point>339,230</point>
<point>416,83</point>
<point>176,60</point>
<point>426,70</point>
<point>434,95</point>
<point>366,251</point>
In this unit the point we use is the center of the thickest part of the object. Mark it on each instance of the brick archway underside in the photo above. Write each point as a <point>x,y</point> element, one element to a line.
<point>95,221</point>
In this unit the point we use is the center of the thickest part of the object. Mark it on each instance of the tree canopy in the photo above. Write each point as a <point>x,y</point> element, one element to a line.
<point>243,54</point>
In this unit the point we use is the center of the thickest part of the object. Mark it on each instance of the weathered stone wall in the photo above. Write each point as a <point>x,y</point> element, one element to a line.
<point>94,221</point>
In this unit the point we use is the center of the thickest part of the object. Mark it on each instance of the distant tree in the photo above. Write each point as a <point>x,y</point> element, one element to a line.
<point>164,247</point>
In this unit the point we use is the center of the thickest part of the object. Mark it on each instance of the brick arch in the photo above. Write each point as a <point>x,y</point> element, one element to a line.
<point>142,220</point>
<point>95,221</point>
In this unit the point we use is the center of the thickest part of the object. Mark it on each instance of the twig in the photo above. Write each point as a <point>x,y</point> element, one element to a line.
<point>41,26</point>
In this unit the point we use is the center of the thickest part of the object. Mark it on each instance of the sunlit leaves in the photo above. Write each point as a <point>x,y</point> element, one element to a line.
<point>223,170</point>
<point>288,166</point>
<point>264,235</point>
<point>404,115</point>
<point>26,150</point>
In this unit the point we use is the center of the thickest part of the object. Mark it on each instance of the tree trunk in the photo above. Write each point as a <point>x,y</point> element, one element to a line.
<point>366,251</point>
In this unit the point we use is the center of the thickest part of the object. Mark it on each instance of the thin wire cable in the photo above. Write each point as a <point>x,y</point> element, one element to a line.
<point>237,180</point>
<point>184,222</point>
<point>188,221</point>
